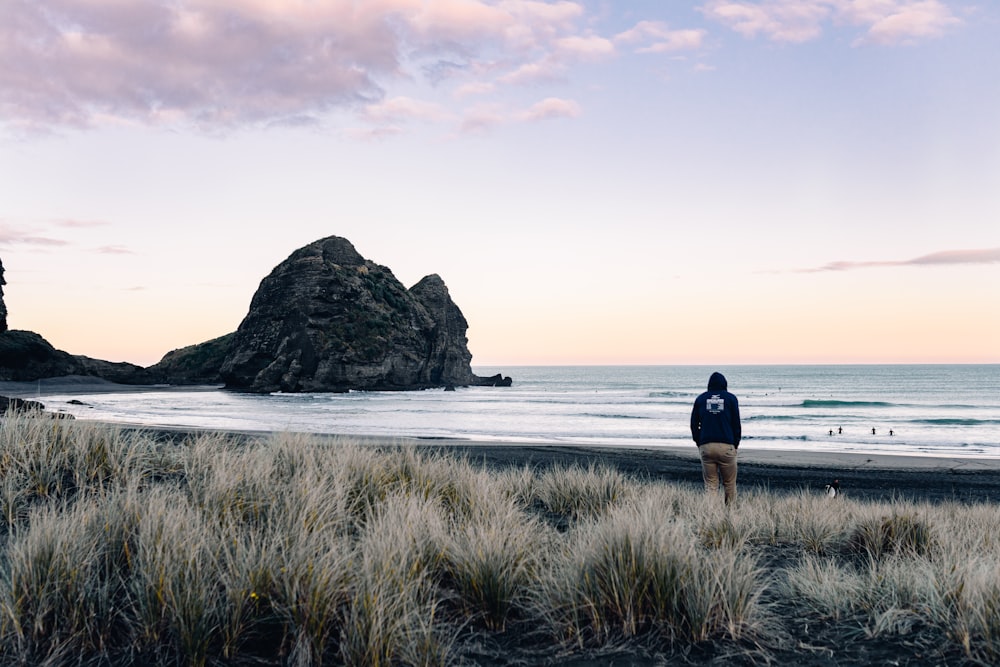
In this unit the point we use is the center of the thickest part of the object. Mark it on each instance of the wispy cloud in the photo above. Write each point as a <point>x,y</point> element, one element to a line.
<point>552,107</point>
<point>543,71</point>
<point>401,109</point>
<point>44,233</point>
<point>658,37</point>
<point>944,257</point>
<point>589,47</point>
<point>79,224</point>
<point>484,117</point>
<point>886,22</point>
<point>114,250</point>
<point>17,235</point>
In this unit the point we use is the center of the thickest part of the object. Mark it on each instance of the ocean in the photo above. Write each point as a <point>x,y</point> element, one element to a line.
<point>932,410</point>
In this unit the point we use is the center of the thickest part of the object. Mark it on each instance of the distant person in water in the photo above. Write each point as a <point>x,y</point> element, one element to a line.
<point>715,427</point>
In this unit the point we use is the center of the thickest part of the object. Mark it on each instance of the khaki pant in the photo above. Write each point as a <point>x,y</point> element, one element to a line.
<point>718,459</point>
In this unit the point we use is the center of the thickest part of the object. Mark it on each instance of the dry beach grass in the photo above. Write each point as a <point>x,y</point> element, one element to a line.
<point>122,546</point>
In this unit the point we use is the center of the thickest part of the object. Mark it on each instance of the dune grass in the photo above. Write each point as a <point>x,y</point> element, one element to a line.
<point>119,548</point>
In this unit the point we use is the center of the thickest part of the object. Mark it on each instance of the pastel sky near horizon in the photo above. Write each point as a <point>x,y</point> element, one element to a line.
<point>657,182</point>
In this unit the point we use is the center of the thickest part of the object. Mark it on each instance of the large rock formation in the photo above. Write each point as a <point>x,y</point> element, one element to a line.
<point>327,319</point>
<point>194,364</point>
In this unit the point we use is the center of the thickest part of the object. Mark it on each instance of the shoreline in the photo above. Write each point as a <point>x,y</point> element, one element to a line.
<point>870,476</point>
<point>84,384</point>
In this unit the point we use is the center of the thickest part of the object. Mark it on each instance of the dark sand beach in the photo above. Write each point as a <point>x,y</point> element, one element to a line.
<point>868,477</point>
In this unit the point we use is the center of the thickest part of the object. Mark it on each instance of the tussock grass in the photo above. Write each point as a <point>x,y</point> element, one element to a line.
<point>494,558</point>
<point>574,492</point>
<point>117,548</point>
<point>896,534</point>
<point>630,573</point>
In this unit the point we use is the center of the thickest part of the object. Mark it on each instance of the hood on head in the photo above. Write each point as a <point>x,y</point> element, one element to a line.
<point>717,382</point>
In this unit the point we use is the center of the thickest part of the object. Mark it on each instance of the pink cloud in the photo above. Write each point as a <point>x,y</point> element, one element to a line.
<point>35,233</point>
<point>486,117</point>
<point>944,257</point>
<point>590,47</point>
<point>482,118</point>
<point>976,256</point>
<point>79,224</point>
<point>545,71</point>
<point>657,37</point>
<point>404,108</point>
<point>552,107</point>
<point>475,88</point>
<point>225,63</point>
<point>779,20</point>
<point>10,237</point>
<point>885,22</point>
<point>911,22</point>
<point>114,250</point>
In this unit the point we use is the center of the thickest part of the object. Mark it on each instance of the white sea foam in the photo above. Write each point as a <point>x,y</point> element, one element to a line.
<point>938,410</point>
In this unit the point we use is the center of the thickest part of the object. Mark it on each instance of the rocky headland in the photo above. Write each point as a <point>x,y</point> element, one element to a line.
<point>25,357</point>
<point>325,319</point>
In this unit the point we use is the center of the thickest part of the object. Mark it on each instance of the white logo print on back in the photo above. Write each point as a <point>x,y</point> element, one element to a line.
<point>715,404</point>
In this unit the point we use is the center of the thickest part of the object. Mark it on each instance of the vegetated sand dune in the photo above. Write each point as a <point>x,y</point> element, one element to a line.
<point>129,546</point>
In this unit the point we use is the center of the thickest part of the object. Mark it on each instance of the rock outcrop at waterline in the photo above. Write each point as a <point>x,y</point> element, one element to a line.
<point>327,319</point>
<point>25,357</point>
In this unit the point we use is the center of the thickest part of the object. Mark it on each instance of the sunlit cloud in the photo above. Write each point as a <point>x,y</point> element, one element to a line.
<point>552,107</point>
<point>218,64</point>
<point>886,22</point>
<point>482,118</point>
<point>404,109</point>
<point>486,117</point>
<point>546,71</point>
<point>658,37</point>
<point>475,88</point>
<point>590,47</point>
<point>916,21</point>
<point>944,257</point>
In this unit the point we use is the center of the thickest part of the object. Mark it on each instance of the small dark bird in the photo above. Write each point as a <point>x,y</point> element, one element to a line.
<point>833,488</point>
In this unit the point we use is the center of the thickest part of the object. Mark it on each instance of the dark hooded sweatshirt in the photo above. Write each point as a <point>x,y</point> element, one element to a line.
<point>716,414</point>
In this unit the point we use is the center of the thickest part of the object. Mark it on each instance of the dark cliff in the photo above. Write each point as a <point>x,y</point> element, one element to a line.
<point>25,357</point>
<point>327,319</point>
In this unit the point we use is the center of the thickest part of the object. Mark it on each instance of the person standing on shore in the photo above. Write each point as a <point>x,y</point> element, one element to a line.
<point>715,427</point>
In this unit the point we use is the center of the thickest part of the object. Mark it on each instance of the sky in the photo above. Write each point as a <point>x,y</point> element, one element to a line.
<point>597,182</point>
